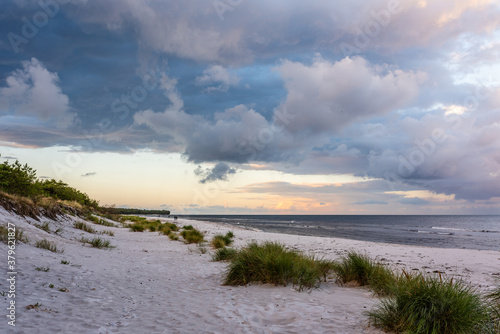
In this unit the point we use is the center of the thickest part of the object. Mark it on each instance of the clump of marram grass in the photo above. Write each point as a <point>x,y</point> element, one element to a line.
<point>99,221</point>
<point>493,301</point>
<point>426,304</point>
<point>100,243</point>
<point>187,227</point>
<point>44,227</point>
<point>44,269</point>
<point>219,240</point>
<point>17,234</point>
<point>137,227</point>
<point>173,236</point>
<point>192,236</point>
<point>224,254</point>
<point>84,227</point>
<point>364,271</point>
<point>46,244</point>
<point>272,263</point>
<point>110,233</point>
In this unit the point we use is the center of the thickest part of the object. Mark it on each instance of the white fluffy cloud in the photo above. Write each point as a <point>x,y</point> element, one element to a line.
<point>34,91</point>
<point>326,96</point>
<point>217,78</point>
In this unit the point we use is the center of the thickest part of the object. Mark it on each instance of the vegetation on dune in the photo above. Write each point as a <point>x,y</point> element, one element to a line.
<point>49,245</point>
<point>18,235</point>
<point>272,263</point>
<point>362,270</point>
<point>220,241</point>
<point>84,227</point>
<point>22,192</point>
<point>192,236</point>
<point>427,304</point>
<point>224,254</point>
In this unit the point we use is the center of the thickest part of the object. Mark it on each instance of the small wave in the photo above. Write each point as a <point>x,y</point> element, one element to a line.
<point>463,229</point>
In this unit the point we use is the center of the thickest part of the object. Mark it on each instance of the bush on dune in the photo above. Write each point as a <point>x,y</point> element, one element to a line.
<point>425,304</point>
<point>219,240</point>
<point>192,236</point>
<point>271,263</point>
<point>359,268</point>
<point>224,254</point>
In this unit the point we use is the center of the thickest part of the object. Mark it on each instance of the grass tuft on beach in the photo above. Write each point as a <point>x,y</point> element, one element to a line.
<point>192,236</point>
<point>224,254</point>
<point>272,263</point>
<point>46,244</point>
<point>427,304</point>
<point>220,241</point>
<point>362,270</point>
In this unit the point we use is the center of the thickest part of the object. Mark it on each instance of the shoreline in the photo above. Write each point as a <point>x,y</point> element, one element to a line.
<point>150,283</point>
<point>435,234</point>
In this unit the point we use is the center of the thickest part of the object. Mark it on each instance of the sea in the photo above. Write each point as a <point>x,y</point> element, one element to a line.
<point>468,232</point>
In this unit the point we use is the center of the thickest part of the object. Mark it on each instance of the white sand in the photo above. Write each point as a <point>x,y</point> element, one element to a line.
<point>150,284</point>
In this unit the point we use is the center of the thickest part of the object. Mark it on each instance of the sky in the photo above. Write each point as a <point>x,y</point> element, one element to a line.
<point>257,107</point>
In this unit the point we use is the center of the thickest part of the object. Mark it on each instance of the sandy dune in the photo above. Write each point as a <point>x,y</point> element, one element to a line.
<point>150,284</point>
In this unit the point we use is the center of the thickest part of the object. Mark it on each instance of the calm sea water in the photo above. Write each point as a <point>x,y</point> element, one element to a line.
<point>471,232</point>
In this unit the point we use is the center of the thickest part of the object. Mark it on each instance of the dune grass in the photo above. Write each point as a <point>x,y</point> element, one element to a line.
<point>224,254</point>
<point>361,269</point>
<point>18,235</point>
<point>100,243</point>
<point>427,304</point>
<point>137,227</point>
<point>272,263</point>
<point>97,242</point>
<point>192,236</point>
<point>84,227</point>
<point>141,224</point>
<point>220,241</point>
<point>46,244</point>
<point>173,236</point>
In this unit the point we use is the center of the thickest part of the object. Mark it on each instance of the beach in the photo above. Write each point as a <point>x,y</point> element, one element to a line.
<point>150,284</point>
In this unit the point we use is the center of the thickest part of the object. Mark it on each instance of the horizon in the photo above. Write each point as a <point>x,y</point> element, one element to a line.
<point>236,107</point>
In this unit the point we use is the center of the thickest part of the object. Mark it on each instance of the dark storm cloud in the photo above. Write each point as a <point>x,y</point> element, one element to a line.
<point>219,172</point>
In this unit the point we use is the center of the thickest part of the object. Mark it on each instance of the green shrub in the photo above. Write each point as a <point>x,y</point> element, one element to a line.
<point>18,179</point>
<point>219,240</point>
<point>192,236</point>
<point>173,236</point>
<point>84,227</point>
<point>45,244</point>
<point>165,230</point>
<point>100,243</point>
<point>224,254</point>
<point>188,227</point>
<point>364,271</point>
<point>425,304</point>
<point>137,227</point>
<point>272,263</point>
<point>64,262</point>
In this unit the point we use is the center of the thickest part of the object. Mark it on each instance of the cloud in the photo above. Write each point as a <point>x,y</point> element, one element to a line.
<point>414,201</point>
<point>89,174</point>
<point>371,202</point>
<point>220,172</point>
<point>34,91</point>
<point>327,96</point>
<point>217,78</point>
